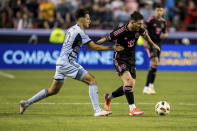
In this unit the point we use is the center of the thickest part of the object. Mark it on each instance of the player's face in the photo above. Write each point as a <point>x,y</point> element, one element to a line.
<point>159,12</point>
<point>86,21</point>
<point>137,24</point>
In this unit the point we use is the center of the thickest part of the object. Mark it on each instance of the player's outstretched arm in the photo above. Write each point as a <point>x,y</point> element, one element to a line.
<point>101,41</point>
<point>97,47</point>
<point>147,38</point>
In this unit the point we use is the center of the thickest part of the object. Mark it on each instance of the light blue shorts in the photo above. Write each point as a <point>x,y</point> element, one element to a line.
<point>70,69</point>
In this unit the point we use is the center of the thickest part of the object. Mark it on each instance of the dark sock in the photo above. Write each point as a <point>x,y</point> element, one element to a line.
<point>153,74</point>
<point>148,78</point>
<point>118,92</point>
<point>129,94</point>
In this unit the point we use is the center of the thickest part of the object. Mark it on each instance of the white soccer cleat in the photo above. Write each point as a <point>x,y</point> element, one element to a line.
<point>23,106</point>
<point>152,90</point>
<point>102,113</point>
<point>147,91</point>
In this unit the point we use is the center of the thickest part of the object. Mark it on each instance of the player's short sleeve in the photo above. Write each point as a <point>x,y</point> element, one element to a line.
<point>85,38</point>
<point>142,31</point>
<point>115,33</point>
<point>148,22</point>
<point>111,36</point>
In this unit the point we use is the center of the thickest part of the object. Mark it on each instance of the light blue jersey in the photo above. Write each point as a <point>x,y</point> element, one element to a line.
<point>75,38</point>
<point>66,65</point>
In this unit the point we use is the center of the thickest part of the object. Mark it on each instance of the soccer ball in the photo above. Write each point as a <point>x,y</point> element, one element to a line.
<point>162,108</point>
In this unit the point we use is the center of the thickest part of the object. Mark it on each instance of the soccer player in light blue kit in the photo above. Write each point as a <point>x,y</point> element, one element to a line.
<point>67,67</point>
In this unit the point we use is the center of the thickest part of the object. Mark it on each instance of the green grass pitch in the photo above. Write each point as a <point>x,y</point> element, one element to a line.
<point>70,110</point>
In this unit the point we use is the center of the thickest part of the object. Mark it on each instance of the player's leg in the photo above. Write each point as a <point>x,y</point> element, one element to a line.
<point>153,69</point>
<point>153,55</point>
<point>108,97</point>
<point>150,54</point>
<point>119,92</point>
<point>54,89</point>
<point>129,83</point>
<point>93,93</point>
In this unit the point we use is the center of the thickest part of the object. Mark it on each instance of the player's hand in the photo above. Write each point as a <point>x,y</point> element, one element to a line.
<point>118,47</point>
<point>156,47</point>
<point>164,36</point>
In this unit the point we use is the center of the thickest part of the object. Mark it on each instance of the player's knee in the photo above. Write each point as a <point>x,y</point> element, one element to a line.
<point>154,63</point>
<point>52,91</point>
<point>154,66</point>
<point>92,81</point>
<point>129,82</point>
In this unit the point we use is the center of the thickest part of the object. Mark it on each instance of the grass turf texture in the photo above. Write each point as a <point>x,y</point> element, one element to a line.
<point>61,112</point>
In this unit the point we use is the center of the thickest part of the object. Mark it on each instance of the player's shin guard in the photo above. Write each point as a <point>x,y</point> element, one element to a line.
<point>118,92</point>
<point>128,90</point>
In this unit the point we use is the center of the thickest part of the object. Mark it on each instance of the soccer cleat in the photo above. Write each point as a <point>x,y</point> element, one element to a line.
<point>23,106</point>
<point>152,90</point>
<point>107,103</point>
<point>136,112</point>
<point>102,113</point>
<point>147,91</point>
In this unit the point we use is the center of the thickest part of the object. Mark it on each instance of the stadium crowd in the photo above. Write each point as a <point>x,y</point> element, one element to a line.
<point>181,15</point>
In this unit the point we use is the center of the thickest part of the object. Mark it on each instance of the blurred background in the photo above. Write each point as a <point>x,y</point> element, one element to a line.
<point>31,27</point>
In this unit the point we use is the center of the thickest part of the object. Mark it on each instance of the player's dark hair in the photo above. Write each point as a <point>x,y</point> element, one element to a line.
<point>136,16</point>
<point>80,13</point>
<point>157,6</point>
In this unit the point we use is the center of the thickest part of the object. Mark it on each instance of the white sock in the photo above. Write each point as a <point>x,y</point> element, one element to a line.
<point>131,107</point>
<point>146,87</point>
<point>151,85</point>
<point>39,96</point>
<point>93,93</point>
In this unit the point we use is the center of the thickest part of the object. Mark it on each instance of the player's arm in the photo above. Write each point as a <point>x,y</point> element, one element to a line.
<point>97,47</point>
<point>164,36</point>
<point>108,38</point>
<point>102,40</point>
<point>148,39</point>
<point>146,45</point>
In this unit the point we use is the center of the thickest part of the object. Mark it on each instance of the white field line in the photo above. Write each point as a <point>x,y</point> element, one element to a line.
<point>10,76</point>
<point>52,103</point>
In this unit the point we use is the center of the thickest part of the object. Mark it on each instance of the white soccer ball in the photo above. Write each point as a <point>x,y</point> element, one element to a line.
<point>162,108</point>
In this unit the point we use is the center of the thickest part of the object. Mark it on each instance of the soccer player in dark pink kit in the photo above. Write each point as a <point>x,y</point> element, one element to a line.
<point>124,61</point>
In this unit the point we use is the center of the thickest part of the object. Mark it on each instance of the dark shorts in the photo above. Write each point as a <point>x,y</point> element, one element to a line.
<point>152,53</point>
<point>122,66</point>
